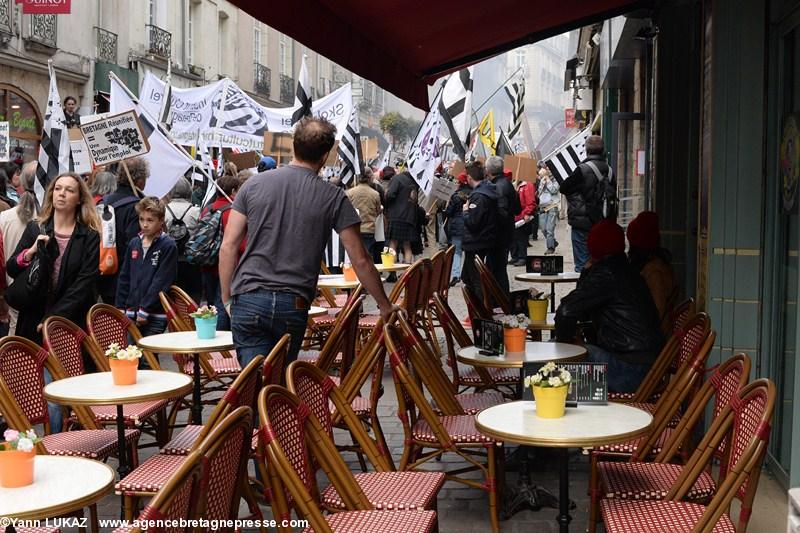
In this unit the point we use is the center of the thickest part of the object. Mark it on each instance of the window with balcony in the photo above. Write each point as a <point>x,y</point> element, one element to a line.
<point>6,10</point>
<point>257,42</point>
<point>106,45</point>
<point>43,30</point>
<point>287,89</point>
<point>159,41</point>
<point>262,77</point>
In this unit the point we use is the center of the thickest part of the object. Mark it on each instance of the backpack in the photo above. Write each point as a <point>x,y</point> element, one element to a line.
<point>109,262</point>
<point>202,248</point>
<point>604,201</point>
<point>177,229</point>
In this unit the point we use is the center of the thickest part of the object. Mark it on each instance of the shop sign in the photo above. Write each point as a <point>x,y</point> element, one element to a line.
<point>45,7</point>
<point>4,141</point>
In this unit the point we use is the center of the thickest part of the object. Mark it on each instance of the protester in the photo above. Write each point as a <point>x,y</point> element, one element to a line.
<point>550,202</point>
<point>229,169</point>
<point>527,200</point>
<point>13,184</point>
<point>585,207</point>
<point>71,112</point>
<point>266,163</point>
<point>454,224</point>
<point>380,222</point>
<point>612,295</point>
<point>367,202</point>
<point>507,208</point>
<point>288,215</point>
<point>180,206</point>
<point>401,209</point>
<point>480,214</point>
<point>419,241</point>
<point>104,183</point>
<point>5,201</point>
<point>180,223</point>
<point>653,263</point>
<point>149,267</point>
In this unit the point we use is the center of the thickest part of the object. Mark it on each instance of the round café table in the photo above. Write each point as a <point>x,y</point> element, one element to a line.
<point>99,389</point>
<point>186,342</point>
<point>317,311</point>
<point>61,485</point>
<point>336,281</point>
<point>397,267</point>
<point>538,326</point>
<point>565,277</point>
<point>582,426</point>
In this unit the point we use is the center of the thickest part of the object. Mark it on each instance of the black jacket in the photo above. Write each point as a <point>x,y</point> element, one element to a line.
<point>580,189</point>
<point>480,220</point>
<point>616,299</point>
<point>75,291</point>
<point>399,204</point>
<point>126,220</point>
<point>453,213</point>
<point>142,276</point>
<point>508,207</point>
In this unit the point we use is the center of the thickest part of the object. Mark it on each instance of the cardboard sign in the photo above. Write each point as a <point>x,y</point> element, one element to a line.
<point>115,138</point>
<point>443,189</point>
<point>369,148</point>
<point>457,168</point>
<point>488,335</point>
<point>528,169</point>
<point>5,141</point>
<point>80,156</point>
<point>546,265</point>
<point>589,383</point>
<point>278,145</point>
<point>244,160</point>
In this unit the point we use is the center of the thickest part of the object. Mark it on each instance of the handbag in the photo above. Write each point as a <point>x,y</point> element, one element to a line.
<point>29,288</point>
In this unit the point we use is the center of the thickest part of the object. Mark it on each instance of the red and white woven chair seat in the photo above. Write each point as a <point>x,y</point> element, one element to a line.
<point>657,517</point>
<point>651,408</point>
<point>475,402</point>
<point>371,521</point>
<point>461,429</point>
<point>324,321</point>
<point>368,321</point>
<point>648,481</point>
<point>630,446</point>
<point>509,376</point>
<point>311,356</point>
<point>392,491</point>
<point>221,365</point>
<point>621,396</point>
<point>183,442</point>
<point>340,300</point>
<point>134,413</point>
<point>151,475</point>
<point>89,443</point>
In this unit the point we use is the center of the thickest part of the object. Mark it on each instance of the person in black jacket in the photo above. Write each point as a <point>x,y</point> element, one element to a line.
<point>508,207</point>
<point>480,225</point>
<point>401,210</point>
<point>454,224</point>
<point>616,299</point>
<point>585,209</point>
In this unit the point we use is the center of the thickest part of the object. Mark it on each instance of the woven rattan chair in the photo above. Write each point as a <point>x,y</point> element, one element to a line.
<point>339,348</point>
<point>291,436</point>
<point>747,418</point>
<point>107,325</point>
<point>493,294</point>
<point>639,480</point>
<point>425,430</point>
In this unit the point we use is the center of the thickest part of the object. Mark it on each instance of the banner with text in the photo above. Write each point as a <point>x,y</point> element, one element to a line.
<point>115,138</point>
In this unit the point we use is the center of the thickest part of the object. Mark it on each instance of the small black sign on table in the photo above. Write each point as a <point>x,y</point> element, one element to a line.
<point>488,336</point>
<point>589,382</point>
<point>546,265</point>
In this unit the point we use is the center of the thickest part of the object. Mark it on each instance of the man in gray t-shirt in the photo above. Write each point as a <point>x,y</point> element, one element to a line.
<point>287,215</point>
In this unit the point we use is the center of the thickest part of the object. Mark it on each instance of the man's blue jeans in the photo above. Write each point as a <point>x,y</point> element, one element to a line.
<point>580,249</point>
<point>622,376</point>
<point>54,412</point>
<point>260,318</point>
<point>547,223</point>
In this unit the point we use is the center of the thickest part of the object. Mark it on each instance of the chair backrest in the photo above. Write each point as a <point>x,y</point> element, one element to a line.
<point>183,304</point>
<point>272,372</point>
<point>65,341</point>
<point>175,321</point>
<point>412,286</point>
<point>179,498</point>
<point>437,271</point>
<point>493,294</point>
<point>475,307</point>
<point>107,325</point>
<point>344,335</point>
<point>447,267</point>
<point>372,353</point>
<point>680,315</point>
<point>454,333</point>
<point>317,390</point>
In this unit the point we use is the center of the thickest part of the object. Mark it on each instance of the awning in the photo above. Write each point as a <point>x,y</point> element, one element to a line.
<point>403,45</point>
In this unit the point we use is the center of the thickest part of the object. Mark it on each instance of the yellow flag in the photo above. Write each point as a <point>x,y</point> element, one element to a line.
<point>486,132</point>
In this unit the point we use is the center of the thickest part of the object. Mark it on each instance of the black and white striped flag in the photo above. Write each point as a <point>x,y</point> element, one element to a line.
<point>350,148</point>
<point>302,95</point>
<point>54,150</point>
<point>455,107</point>
<point>566,158</point>
<point>515,91</point>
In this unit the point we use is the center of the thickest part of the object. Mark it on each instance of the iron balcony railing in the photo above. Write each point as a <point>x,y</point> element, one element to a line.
<point>159,42</point>
<point>43,29</point>
<point>287,89</point>
<point>262,77</point>
<point>6,7</point>
<point>106,45</point>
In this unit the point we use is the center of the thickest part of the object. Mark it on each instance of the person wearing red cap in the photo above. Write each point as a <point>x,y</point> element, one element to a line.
<point>454,224</point>
<point>653,263</point>
<point>614,297</point>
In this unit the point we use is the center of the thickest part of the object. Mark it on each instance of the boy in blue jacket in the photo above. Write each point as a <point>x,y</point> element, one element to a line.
<point>150,266</point>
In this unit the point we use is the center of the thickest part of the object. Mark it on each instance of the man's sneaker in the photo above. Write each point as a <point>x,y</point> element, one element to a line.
<point>550,251</point>
<point>519,263</point>
<point>467,323</point>
<point>392,277</point>
<point>454,282</point>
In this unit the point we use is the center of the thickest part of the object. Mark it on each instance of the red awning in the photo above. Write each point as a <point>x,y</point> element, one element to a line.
<point>403,45</point>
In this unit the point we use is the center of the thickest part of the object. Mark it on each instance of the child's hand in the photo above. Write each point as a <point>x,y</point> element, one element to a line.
<point>141,321</point>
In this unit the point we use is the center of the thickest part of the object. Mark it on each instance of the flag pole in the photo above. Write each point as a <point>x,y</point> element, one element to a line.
<point>475,110</point>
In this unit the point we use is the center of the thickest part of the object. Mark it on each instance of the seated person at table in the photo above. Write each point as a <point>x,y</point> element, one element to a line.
<point>653,263</point>
<point>615,298</point>
<point>150,266</point>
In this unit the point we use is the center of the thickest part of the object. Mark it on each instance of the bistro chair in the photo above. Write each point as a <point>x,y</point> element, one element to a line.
<point>67,343</point>
<point>291,437</point>
<point>339,348</point>
<point>475,307</point>
<point>493,295</point>
<point>425,430</point>
<point>638,480</point>
<point>747,419</point>
<point>107,325</point>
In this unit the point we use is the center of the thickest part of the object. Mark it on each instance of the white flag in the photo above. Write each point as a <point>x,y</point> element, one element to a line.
<point>54,151</point>
<point>566,158</point>
<point>385,162</point>
<point>425,152</point>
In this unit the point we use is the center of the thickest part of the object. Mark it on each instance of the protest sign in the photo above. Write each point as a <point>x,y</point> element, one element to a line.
<point>82,163</point>
<point>115,138</point>
<point>243,160</point>
<point>443,189</point>
<point>4,141</point>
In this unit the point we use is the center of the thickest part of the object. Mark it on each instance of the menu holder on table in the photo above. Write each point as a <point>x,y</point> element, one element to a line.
<point>589,382</point>
<point>488,336</point>
<point>546,265</point>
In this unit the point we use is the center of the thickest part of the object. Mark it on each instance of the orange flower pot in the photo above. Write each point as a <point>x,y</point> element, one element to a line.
<point>123,372</point>
<point>349,274</point>
<point>514,340</point>
<point>16,468</point>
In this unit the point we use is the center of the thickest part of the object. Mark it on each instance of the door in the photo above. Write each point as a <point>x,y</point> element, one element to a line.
<point>628,157</point>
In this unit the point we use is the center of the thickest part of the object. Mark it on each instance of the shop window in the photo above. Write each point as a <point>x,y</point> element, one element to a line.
<point>25,122</point>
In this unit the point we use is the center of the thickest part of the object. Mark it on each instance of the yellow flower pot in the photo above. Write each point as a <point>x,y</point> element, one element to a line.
<point>537,310</point>
<point>550,401</point>
<point>387,260</point>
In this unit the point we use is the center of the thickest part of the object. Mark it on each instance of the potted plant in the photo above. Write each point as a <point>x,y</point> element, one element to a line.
<point>123,362</point>
<point>16,458</point>
<point>515,328</point>
<point>205,321</point>
<point>349,272</point>
<point>537,306</point>
<point>388,257</point>
<point>550,386</point>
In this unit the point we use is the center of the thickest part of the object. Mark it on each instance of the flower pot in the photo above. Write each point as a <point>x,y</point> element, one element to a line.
<point>537,310</point>
<point>550,401</point>
<point>387,260</point>
<point>349,274</point>
<point>514,340</point>
<point>16,468</point>
<point>123,371</point>
<point>206,327</point>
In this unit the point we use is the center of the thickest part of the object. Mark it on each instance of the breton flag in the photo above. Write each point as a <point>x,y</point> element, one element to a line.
<point>566,158</point>
<point>302,96</point>
<point>425,153</point>
<point>456,108</point>
<point>350,148</point>
<point>54,151</point>
<point>515,91</point>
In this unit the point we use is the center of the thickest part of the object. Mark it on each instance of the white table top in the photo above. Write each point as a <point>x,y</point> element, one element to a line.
<point>397,267</point>
<point>565,277</point>
<point>582,426</point>
<point>336,281</point>
<point>535,352</point>
<point>60,485</point>
<point>99,388</point>
<point>187,342</point>
<point>317,311</point>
